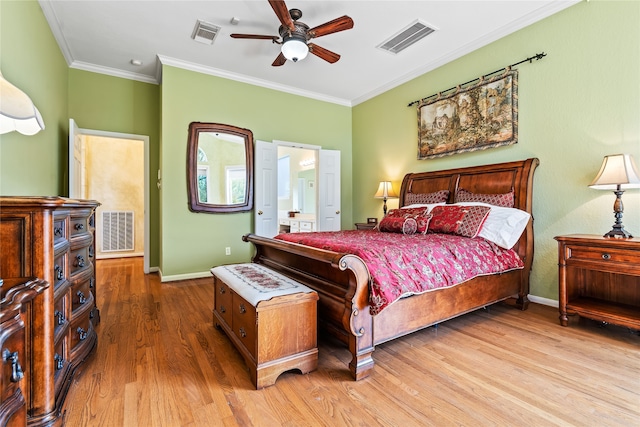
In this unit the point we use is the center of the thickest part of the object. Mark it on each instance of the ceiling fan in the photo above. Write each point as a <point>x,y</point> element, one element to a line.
<point>295,35</point>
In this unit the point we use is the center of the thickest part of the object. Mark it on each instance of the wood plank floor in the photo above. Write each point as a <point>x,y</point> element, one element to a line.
<point>161,362</point>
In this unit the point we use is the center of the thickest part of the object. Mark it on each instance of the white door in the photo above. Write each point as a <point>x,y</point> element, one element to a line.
<point>265,189</point>
<point>75,161</point>
<point>328,190</point>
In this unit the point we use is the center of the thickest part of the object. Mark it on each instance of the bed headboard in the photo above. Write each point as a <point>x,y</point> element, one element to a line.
<point>489,179</point>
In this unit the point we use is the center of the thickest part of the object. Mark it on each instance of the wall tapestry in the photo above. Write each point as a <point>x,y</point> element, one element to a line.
<point>480,116</point>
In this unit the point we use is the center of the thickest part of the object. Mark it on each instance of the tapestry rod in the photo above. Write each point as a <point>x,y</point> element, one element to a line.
<point>537,57</point>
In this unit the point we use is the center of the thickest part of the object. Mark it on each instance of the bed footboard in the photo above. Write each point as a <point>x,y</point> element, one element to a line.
<point>342,284</point>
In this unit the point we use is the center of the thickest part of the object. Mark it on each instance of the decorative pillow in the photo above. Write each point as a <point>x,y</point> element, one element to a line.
<point>437,197</point>
<point>506,200</point>
<point>464,221</point>
<point>419,214</point>
<point>398,224</point>
<point>503,226</point>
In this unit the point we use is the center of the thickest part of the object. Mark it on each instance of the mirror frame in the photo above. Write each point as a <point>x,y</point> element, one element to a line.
<point>192,167</point>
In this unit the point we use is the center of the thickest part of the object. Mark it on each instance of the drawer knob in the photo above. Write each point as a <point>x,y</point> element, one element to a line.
<point>59,317</point>
<point>82,334</point>
<point>79,226</point>
<point>16,370</point>
<point>606,256</point>
<point>79,261</point>
<point>59,273</point>
<point>243,333</point>
<point>243,309</point>
<point>57,231</point>
<point>222,290</point>
<point>81,298</point>
<point>59,361</point>
<point>222,309</point>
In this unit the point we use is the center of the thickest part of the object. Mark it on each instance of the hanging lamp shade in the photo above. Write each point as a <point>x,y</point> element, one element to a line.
<point>17,111</point>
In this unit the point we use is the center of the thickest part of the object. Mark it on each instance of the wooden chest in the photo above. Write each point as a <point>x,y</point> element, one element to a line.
<point>274,329</point>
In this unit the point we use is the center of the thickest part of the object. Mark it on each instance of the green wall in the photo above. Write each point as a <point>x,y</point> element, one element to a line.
<point>576,105</point>
<point>194,242</point>
<point>31,60</point>
<point>113,104</point>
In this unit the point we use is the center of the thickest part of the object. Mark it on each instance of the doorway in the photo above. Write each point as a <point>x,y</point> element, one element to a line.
<point>113,168</point>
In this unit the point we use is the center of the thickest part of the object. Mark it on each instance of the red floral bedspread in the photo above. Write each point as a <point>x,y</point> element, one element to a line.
<point>402,265</point>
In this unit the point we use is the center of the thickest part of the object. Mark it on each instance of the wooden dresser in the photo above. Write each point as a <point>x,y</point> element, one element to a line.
<point>52,238</point>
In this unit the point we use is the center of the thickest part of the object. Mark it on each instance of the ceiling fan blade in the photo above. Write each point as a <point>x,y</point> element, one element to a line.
<point>323,53</point>
<point>254,36</point>
<point>280,8</point>
<point>338,24</point>
<point>280,60</point>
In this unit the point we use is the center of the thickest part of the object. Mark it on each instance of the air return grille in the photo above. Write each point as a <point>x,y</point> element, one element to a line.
<point>205,32</point>
<point>407,37</point>
<point>117,231</point>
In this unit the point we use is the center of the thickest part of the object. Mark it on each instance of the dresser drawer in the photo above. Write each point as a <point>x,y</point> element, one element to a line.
<point>12,357</point>
<point>61,314</point>
<point>79,226</point>
<point>306,226</point>
<point>223,301</point>
<point>59,270</point>
<point>81,295</point>
<point>60,230</point>
<point>79,260</point>
<point>80,330</point>
<point>244,323</point>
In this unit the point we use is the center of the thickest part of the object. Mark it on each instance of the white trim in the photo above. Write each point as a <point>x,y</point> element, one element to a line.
<point>120,255</point>
<point>145,141</point>
<point>544,301</point>
<point>297,145</point>
<point>100,69</point>
<point>186,276</point>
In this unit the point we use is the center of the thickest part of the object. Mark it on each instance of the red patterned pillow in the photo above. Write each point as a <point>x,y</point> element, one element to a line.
<point>461,220</point>
<point>424,198</point>
<point>398,224</point>
<point>419,214</point>
<point>506,200</point>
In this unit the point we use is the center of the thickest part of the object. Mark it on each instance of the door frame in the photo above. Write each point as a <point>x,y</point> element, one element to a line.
<point>145,140</point>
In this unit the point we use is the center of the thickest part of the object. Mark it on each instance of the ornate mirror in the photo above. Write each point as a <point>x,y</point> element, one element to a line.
<point>219,168</point>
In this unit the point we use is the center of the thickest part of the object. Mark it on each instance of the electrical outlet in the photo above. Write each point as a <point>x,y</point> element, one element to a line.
<point>227,250</point>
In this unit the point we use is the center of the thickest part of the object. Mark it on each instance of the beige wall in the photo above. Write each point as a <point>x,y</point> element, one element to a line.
<point>114,175</point>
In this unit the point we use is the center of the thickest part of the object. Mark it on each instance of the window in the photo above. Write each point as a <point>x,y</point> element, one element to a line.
<point>235,179</point>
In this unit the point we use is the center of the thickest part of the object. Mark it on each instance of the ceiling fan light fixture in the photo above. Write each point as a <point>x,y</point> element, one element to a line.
<point>295,48</point>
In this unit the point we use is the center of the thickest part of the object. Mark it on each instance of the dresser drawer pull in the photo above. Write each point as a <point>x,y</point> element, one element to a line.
<point>90,251</point>
<point>243,309</point>
<point>59,317</point>
<point>16,370</point>
<point>59,273</point>
<point>243,333</point>
<point>59,361</point>
<point>222,309</point>
<point>81,298</point>
<point>79,261</point>
<point>223,290</point>
<point>92,283</point>
<point>57,231</point>
<point>79,226</point>
<point>606,256</point>
<point>82,334</point>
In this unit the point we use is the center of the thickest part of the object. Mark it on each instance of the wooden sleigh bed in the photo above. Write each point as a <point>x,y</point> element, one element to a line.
<point>342,280</point>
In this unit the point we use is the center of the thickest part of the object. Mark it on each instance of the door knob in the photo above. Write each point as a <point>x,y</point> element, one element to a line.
<point>260,212</point>
<point>337,212</point>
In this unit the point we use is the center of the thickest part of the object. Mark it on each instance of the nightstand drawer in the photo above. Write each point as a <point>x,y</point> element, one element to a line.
<point>603,257</point>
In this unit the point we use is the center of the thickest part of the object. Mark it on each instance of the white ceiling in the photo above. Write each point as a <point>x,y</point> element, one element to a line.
<point>104,36</point>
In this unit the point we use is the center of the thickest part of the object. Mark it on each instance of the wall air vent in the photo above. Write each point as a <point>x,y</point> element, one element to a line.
<point>117,231</point>
<point>205,32</point>
<point>406,37</point>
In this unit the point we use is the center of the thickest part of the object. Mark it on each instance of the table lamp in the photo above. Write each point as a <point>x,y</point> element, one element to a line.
<point>385,191</point>
<point>618,172</point>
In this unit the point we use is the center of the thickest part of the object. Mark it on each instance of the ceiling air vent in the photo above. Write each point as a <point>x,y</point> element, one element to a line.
<point>406,37</point>
<point>205,32</point>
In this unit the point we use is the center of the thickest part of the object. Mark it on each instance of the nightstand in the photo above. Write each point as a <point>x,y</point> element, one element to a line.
<point>599,278</point>
<point>365,225</point>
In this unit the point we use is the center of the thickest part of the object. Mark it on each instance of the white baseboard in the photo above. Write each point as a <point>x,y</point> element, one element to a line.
<point>544,301</point>
<point>120,255</point>
<point>187,276</point>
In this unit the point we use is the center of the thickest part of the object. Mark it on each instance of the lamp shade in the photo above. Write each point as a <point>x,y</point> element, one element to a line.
<point>385,191</point>
<point>617,169</point>
<point>295,48</point>
<point>17,111</point>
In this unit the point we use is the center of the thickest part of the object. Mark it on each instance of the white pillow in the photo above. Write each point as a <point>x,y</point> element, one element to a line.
<point>429,206</point>
<point>503,226</point>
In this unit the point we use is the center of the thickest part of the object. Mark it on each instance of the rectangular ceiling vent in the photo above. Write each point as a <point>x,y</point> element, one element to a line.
<point>406,37</point>
<point>205,32</point>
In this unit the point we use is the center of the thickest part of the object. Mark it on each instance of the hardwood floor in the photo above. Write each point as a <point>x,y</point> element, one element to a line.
<point>161,362</point>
